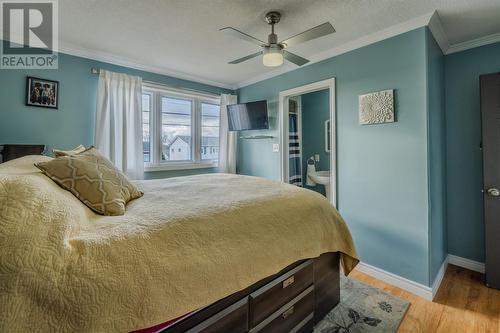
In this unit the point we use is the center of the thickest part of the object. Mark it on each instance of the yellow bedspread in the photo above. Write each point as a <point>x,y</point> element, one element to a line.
<point>187,243</point>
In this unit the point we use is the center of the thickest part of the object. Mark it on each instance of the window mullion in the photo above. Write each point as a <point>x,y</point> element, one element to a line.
<point>158,127</point>
<point>196,130</point>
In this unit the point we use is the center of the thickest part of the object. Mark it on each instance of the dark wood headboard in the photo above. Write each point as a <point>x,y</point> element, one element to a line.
<point>9,151</point>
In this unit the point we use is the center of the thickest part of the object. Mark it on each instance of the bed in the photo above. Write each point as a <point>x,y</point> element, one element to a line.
<point>203,248</point>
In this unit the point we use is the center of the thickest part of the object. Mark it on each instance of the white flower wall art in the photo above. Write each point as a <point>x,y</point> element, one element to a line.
<point>376,107</point>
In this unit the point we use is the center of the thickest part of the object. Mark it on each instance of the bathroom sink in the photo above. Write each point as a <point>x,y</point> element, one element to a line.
<point>320,177</point>
<point>323,178</point>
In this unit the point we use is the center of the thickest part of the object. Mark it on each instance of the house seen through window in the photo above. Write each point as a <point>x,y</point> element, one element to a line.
<point>180,129</point>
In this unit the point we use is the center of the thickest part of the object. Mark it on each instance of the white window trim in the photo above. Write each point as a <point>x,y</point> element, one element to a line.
<point>170,166</point>
<point>157,92</point>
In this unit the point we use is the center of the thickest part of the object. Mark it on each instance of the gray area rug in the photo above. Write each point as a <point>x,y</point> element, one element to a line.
<point>363,308</point>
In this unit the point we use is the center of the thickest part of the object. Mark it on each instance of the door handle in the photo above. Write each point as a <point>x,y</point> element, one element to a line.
<point>493,192</point>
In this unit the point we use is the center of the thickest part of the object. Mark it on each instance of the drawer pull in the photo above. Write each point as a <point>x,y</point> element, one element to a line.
<point>287,313</point>
<point>288,281</point>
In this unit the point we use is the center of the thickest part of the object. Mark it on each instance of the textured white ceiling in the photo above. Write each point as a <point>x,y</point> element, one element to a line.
<point>181,36</point>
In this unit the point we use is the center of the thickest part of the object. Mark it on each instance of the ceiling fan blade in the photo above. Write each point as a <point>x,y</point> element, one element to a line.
<point>313,33</point>
<point>236,33</point>
<point>253,55</point>
<point>297,60</point>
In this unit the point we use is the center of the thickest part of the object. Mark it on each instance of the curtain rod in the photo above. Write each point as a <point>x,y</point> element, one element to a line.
<point>98,71</point>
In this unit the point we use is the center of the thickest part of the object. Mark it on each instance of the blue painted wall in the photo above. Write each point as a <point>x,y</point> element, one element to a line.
<point>73,123</point>
<point>394,171</point>
<point>464,159</point>
<point>315,111</point>
<point>382,169</point>
<point>436,126</point>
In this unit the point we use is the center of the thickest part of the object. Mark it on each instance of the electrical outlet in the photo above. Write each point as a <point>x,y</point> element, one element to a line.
<point>316,157</point>
<point>276,147</point>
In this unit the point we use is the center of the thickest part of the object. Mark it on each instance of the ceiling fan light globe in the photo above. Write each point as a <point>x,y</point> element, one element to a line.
<point>273,57</point>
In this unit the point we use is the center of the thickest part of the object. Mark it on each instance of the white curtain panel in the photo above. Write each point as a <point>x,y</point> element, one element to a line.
<point>118,128</point>
<point>228,140</point>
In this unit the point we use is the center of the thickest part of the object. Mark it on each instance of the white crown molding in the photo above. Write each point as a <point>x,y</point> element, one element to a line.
<point>466,263</point>
<point>490,39</point>
<point>122,61</point>
<point>396,280</point>
<point>74,50</point>
<point>392,31</point>
<point>432,20</point>
<point>437,31</point>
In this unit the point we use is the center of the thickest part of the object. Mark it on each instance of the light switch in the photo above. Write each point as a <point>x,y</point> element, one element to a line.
<point>276,147</point>
<point>316,157</point>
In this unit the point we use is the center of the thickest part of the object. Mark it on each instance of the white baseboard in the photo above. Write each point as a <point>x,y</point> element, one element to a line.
<point>439,277</point>
<point>396,280</point>
<point>466,263</point>
<point>416,288</point>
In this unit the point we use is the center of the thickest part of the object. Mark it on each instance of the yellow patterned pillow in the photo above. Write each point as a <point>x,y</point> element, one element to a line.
<point>93,179</point>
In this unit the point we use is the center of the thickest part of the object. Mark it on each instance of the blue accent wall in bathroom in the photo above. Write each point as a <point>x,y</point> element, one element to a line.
<point>73,123</point>
<point>464,159</point>
<point>315,111</point>
<point>382,169</point>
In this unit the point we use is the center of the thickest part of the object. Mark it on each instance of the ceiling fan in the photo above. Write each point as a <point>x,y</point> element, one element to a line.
<point>273,51</point>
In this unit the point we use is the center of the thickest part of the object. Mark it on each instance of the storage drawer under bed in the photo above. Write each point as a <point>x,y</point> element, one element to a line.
<point>292,317</point>
<point>268,299</point>
<point>232,319</point>
<point>291,301</point>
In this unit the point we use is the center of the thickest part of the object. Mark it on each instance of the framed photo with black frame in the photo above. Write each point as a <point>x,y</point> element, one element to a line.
<point>42,93</point>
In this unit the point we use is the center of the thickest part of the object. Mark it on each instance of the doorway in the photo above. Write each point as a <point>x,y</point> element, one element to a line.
<point>490,114</point>
<point>290,130</point>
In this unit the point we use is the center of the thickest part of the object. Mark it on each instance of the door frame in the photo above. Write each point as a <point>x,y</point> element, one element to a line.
<point>298,99</point>
<point>283,129</point>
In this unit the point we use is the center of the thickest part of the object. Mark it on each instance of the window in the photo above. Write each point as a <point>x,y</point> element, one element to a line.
<point>209,130</point>
<point>180,129</point>
<point>176,128</point>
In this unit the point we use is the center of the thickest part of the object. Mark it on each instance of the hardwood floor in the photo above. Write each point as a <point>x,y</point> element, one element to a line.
<point>463,304</point>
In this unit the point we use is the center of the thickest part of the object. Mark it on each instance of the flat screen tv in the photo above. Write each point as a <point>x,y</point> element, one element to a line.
<point>247,116</point>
